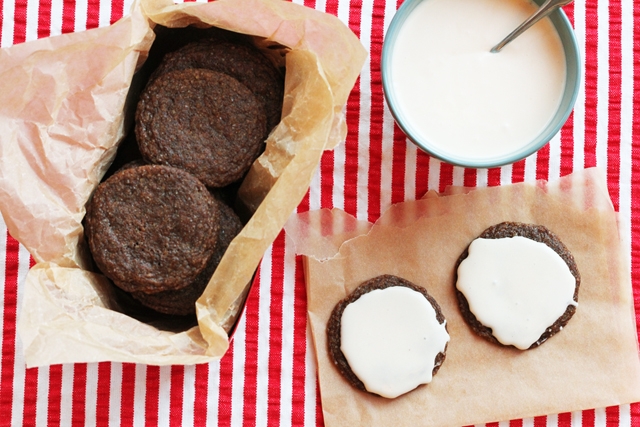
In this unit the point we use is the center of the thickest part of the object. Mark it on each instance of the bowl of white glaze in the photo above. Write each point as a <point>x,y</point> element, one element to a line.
<point>461,103</point>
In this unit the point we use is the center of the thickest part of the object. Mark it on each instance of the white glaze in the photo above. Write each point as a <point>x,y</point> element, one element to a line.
<point>465,100</point>
<point>391,337</point>
<point>516,286</point>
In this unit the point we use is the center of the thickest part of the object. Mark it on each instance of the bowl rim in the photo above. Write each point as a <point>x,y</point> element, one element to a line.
<point>574,71</point>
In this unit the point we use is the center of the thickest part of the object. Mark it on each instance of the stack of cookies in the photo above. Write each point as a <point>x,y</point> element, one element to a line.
<point>158,227</point>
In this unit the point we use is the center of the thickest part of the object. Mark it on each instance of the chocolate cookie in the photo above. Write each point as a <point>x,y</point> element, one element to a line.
<point>202,121</point>
<point>536,233</point>
<point>239,60</point>
<point>182,301</point>
<point>152,228</point>
<point>385,282</point>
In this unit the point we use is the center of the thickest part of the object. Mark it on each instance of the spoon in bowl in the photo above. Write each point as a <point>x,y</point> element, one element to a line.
<point>547,7</point>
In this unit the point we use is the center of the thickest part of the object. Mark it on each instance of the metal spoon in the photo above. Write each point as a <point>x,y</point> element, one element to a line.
<point>547,7</point>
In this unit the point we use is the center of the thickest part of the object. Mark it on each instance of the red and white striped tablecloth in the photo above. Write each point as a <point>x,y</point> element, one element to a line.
<point>268,377</point>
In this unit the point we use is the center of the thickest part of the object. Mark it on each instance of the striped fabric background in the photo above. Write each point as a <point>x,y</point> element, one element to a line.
<point>268,377</point>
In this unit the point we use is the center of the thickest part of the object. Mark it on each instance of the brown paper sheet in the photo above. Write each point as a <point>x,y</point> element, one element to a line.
<point>592,363</point>
<point>62,116</point>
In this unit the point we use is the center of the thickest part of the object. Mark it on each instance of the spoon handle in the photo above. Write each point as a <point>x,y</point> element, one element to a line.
<point>547,7</point>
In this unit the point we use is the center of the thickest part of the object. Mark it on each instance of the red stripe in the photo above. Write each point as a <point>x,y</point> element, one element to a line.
<point>515,423</point>
<point>299,345</point>
<point>117,10</point>
<point>79,394</point>
<point>176,392</point>
<point>635,414</point>
<point>588,418</point>
<point>517,171</point>
<point>332,8</point>
<point>615,100</point>
<point>104,394</point>
<point>591,82</point>
<point>20,22</point>
<point>376,112</point>
<point>225,388</point>
<point>30,397</point>
<point>446,176</point>
<point>152,397</point>
<point>319,414</point>
<point>252,320</point>
<point>275,330</point>
<point>540,421</point>
<point>326,179</point>
<point>127,394</point>
<point>9,323</point>
<point>44,19</point>
<point>54,396</point>
<point>201,395</point>
<point>542,163</point>
<point>470,178</point>
<point>353,120</point>
<point>564,419</point>
<point>493,177</point>
<point>93,14</point>
<point>635,172</point>
<point>613,416</point>
<point>68,16</point>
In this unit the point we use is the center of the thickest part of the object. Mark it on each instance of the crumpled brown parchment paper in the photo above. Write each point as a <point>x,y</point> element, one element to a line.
<point>592,363</point>
<point>62,111</point>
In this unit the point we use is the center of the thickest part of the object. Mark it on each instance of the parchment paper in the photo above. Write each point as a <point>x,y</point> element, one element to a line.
<point>593,362</point>
<point>62,112</point>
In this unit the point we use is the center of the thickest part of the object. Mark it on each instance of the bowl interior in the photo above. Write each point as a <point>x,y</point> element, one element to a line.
<point>573,69</point>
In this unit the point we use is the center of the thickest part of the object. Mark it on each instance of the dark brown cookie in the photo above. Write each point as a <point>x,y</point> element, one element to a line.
<point>539,234</point>
<point>239,60</point>
<point>335,323</point>
<point>182,301</point>
<point>202,121</point>
<point>152,228</point>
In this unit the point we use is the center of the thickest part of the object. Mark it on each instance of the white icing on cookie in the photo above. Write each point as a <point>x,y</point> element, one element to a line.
<point>516,286</point>
<point>391,337</point>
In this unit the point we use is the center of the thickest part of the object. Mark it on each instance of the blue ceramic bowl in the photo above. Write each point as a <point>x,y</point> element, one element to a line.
<point>572,84</point>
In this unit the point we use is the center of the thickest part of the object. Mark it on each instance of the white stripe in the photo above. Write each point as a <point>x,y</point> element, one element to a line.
<point>458,176</point>
<point>91,395</point>
<point>66,395</point>
<point>115,394</point>
<point>603,85</point>
<point>55,28</point>
<point>237,387</point>
<point>626,126</point>
<point>343,11</point>
<point>554,157</point>
<point>17,409</point>
<point>600,417</point>
<point>31,30</point>
<point>80,20</point>
<point>314,191</point>
<point>530,166</point>
<point>310,382</point>
<point>321,5</point>
<point>625,416</point>
<point>434,174</point>
<point>576,419</point>
<point>482,178</point>
<point>579,109</point>
<point>8,10</point>
<point>387,160</point>
<point>288,314</point>
<point>42,394</point>
<point>164,396</point>
<point>506,175</point>
<point>139,396</point>
<point>364,125</point>
<point>104,14</point>
<point>552,420</point>
<point>410,171</point>
<point>213,394</point>
<point>188,394</point>
<point>527,422</point>
<point>127,7</point>
<point>264,335</point>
